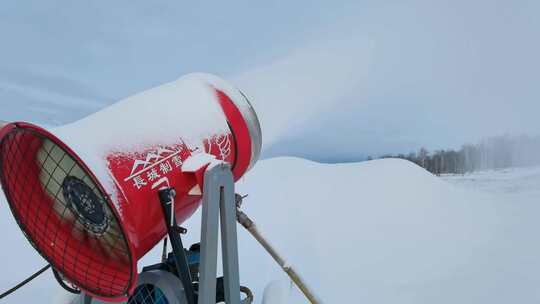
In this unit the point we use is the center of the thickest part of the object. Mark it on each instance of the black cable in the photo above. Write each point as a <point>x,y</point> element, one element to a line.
<point>21,284</point>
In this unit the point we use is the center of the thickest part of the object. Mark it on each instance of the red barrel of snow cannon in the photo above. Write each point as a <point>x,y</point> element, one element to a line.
<point>84,194</point>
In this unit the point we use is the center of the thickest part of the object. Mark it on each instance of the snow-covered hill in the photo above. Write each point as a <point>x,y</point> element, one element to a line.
<point>383,231</point>
<point>387,231</point>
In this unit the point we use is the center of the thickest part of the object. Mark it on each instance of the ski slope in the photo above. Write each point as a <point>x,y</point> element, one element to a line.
<point>383,231</point>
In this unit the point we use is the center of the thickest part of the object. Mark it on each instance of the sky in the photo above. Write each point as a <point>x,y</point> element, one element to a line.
<point>330,81</point>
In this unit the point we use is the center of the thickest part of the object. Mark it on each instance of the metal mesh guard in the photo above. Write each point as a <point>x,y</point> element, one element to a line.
<point>63,214</point>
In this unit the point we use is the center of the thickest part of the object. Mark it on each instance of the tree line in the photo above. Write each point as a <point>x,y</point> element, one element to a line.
<point>490,153</point>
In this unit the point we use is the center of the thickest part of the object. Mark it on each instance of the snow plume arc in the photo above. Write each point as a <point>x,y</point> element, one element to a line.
<point>84,194</point>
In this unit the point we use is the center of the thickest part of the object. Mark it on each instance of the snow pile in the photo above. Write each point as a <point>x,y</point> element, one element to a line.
<point>383,231</point>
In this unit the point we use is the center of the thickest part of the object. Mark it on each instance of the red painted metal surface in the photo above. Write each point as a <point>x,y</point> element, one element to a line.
<point>105,264</point>
<point>139,174</point>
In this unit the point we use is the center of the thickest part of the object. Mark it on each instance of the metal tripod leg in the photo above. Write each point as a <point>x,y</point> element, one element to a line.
<point>219,203</point>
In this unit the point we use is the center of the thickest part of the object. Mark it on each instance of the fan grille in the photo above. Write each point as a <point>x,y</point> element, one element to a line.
<point>59,219</point>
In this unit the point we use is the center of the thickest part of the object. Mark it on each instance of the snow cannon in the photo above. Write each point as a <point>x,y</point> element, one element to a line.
<point>84,194</point>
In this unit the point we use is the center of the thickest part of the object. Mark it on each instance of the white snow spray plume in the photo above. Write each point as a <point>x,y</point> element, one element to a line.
<point>310,80</point>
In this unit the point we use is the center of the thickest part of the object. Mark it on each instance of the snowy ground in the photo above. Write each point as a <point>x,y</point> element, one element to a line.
<point>383,231</point>
<point>511,181</point>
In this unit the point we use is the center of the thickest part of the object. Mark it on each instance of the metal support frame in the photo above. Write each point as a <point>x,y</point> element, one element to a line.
<point>219,209</point>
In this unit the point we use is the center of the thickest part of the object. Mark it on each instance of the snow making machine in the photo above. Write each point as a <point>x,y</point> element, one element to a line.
<point>94,196</point>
